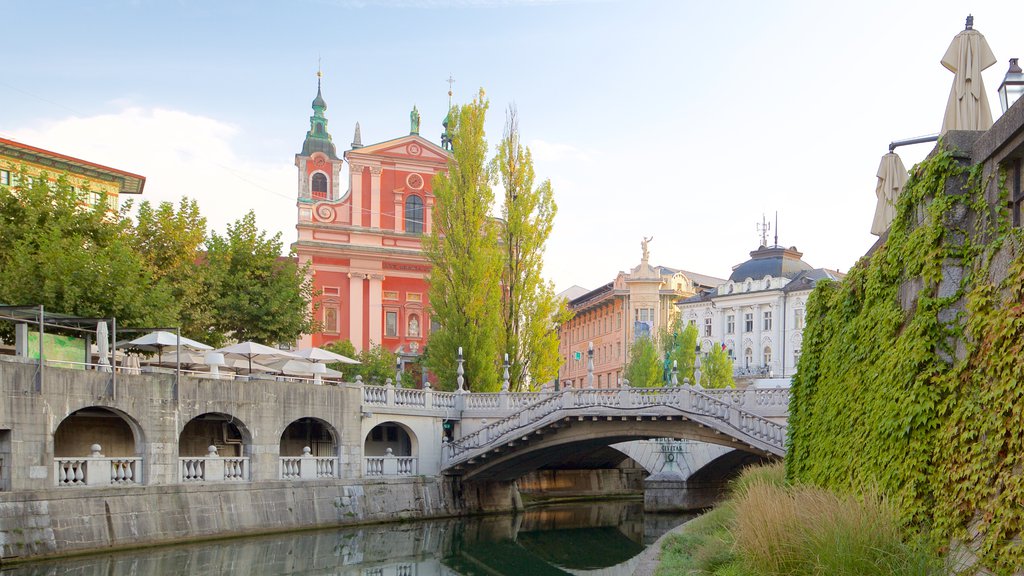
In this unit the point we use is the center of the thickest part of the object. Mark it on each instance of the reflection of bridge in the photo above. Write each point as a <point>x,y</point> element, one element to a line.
<point>549,429</point>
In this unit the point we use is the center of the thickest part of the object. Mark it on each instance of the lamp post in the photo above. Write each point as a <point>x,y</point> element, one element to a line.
<point>459,372</point>
<point>696,367</point>
<point>590,366</point>
<point>504,383</point>
<point>1012,87</point>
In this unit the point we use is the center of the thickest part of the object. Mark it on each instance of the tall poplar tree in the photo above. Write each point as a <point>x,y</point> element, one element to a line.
<point>465,291</point>
<point>530,311</point>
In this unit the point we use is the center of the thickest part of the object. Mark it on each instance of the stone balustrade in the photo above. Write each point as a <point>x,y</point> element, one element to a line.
<point>97,470</point>
<point>390,465</point>
<point>214,468</point>
<point>308,467</point>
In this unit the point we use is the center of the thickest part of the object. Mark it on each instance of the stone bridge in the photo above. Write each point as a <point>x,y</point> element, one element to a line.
<point>556,426</point>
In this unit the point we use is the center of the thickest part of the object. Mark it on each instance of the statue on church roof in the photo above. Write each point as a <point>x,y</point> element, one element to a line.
<point>357,138</point>
<point>414,121</point>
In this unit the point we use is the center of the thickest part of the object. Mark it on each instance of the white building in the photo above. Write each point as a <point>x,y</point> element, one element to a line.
<point>758,314</point>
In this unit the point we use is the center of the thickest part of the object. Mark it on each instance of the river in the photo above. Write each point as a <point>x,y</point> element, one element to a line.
<point>603,538</point>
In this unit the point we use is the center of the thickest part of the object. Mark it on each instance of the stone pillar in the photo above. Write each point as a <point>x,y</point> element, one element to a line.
<point>356,176</point>
<point>758,359</point>
<point>399,213</point>
<point>428,214</point>
<point>376,308</point>
<point>355,309</point>
<point>375,204</point>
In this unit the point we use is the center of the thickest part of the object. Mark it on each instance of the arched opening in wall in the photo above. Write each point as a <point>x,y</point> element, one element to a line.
<point>224,432</point>
<point>398,437</point>
<point>319,436</point>
<point>748,358</point>
<point>414,215</point>
<point>116,434</point>
<point>319,186</point>
<point>767,355</point>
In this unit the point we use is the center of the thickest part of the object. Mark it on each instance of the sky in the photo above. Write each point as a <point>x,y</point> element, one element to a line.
<point>686,121</point>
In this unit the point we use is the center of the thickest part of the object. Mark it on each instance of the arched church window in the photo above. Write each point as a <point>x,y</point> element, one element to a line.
<point>767,355</point>
<point>414,215</point>
<point>319,185</point>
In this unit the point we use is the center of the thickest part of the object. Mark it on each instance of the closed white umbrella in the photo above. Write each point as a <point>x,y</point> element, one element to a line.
<point>251,350</point>
<point>321,355</point>
<point>892,177</point>
<point>966,57</point>
<point>103,346</point>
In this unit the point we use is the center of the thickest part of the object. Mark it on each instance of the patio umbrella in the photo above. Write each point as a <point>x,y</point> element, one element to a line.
<point>160,339</point>
<point>301,368</point>
<point>103,346</point>
<point>321,355</point>
<point>251,350</point>
<point>966,57</point>
<point>892,176</point>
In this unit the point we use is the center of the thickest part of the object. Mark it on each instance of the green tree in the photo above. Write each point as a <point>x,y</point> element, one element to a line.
<point>377,364</point>
<point>531,313</point>
<point>74,258</point>
<point>465,295</point>
<point>643,369</point>
<point>257,294</point>
<point>172,240</point>
<point>686,351</point>
<point>716,369</point>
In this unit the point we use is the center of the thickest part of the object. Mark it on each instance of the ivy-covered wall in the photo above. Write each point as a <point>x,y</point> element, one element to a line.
<point>911,377</point>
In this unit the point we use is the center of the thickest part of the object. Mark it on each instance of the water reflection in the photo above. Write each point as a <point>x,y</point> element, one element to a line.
<point>603,538</point>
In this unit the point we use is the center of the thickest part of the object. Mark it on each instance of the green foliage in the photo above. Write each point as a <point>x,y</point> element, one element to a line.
<point>75,259</point>
<point>686,351</point>
<point>531,313</point>
<point>171,241</point>
<point>466,259</point>
<point>897,388</point>
<point>258,295</point>
<point>716,369</point>
<point>644,368</point>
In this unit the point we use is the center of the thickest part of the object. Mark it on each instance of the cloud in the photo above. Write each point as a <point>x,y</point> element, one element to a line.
<point>180,154</point>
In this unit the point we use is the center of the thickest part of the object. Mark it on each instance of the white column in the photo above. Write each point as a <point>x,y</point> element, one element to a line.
<point>399,213</point>
<point>356,174</point>
<point>376,308</point>
<point>374,197</point>
<point>355,309</point>
<point>758,356</point>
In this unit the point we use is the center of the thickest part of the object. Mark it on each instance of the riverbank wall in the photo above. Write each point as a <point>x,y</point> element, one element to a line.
<point>57,522</point>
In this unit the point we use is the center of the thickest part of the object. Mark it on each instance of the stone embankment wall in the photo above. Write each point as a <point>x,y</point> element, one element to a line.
<point>56,522</point>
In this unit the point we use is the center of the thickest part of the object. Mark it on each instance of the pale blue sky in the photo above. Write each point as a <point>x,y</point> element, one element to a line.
<point>681,120</point>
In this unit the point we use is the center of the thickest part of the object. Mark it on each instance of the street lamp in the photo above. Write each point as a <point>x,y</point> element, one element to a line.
<point>1012,87</point>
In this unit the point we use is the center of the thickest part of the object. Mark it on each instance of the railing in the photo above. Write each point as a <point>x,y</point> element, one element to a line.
<point>410,397</point>
<point>97,471</point>
<point>721,405</point>
<point>213,469</point>
<point>308,467</point>
<point>391,466</point>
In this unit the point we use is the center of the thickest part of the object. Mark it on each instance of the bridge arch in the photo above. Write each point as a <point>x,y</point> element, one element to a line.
<point>228,434</point>
<point>400,438</point>
<point>117,433</point>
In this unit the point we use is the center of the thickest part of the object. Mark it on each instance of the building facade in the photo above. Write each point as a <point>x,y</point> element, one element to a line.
<point>610,318</point>
<point>96,183</point>
<point>758,313</point>
<point>361,229</point>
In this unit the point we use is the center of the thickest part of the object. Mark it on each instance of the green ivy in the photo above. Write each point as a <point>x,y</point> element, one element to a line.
<point>882,398</point>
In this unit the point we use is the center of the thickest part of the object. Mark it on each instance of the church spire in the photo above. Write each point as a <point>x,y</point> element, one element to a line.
<point>318,139</point>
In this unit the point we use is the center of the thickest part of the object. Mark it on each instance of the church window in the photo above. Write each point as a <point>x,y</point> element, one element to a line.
<point>748,322</point>
<point>331,319</point>
<point>414,215</point>
<point>767,355</point>
<point>730,324</point>
<point>707,326</point>
<point>767,320</point>
<point>391,324</point>
<point>319,185</point>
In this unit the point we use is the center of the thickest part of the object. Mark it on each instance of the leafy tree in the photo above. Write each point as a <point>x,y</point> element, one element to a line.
<point>74,258</point>
<point>257,294</point>
<point>377,364</point>
<point>716,369</point>
<point>643,369</point>
<point>685,351</point>
<point>171,240</point>
<point>531,312</point>
<point>463,249</point>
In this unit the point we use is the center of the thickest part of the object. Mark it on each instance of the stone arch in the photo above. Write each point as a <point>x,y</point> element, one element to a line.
<point>316,434</point>
<point>395,435</point>
<point>117,433</point>
<point>228,434</point>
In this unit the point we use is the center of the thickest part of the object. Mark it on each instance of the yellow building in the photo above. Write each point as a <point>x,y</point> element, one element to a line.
<point>100,183</point>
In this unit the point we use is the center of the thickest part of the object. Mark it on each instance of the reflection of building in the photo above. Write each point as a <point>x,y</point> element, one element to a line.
<point>96,183</point>
<point>364,240</point>
<point>758,314</point>
<point>613,316</point>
